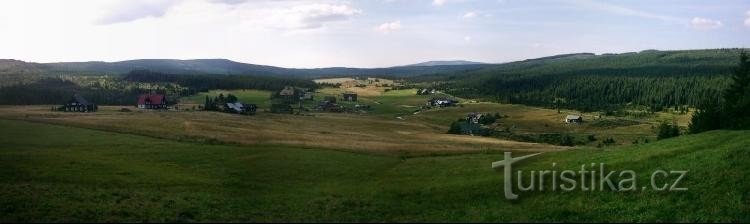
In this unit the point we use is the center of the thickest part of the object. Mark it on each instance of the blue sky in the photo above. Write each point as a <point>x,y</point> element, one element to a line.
<point>367,33</point>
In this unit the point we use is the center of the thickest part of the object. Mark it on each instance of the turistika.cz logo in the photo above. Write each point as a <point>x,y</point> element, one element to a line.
<point>591,177</point>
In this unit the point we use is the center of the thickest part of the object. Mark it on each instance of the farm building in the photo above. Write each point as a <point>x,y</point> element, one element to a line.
<point>441,102</point>
<point>574,119</point>
<point>78,104</point>
<point>350,96</point>
<point>241,108</point>
<point>152,101</point>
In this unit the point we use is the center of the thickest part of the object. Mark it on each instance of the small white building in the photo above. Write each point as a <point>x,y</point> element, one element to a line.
<point>574,119</point>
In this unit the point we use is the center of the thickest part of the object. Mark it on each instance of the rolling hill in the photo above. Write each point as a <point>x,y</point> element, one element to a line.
<point>438,63</point>
<point>224,67</point>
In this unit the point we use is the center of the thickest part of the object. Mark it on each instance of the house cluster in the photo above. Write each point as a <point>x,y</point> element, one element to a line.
<point>145,101</point>
<point>426,91</point>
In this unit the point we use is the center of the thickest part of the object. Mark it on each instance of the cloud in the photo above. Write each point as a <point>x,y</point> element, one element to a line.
<point>705,24</point>
<point>467,38</point>
<point>747,20</point>
<point>130,10</point>
<point>389,27</point>
<point>438,2</point>
<point>469,15</point>
<point>612,8</point>
<point>307,16</point>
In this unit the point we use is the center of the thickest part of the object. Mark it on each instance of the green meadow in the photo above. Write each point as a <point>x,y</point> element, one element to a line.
<point>52,173</point>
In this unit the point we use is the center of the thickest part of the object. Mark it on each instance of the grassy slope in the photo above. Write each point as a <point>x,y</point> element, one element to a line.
<point>55,173</point>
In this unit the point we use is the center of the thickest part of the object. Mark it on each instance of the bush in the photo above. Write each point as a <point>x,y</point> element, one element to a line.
<point>668,130</point>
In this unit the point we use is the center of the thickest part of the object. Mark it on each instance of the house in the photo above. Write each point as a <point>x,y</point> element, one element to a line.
<point>574,119</point>
<point>350,96</point>
<point>78,104</point>
<point>152,101</point>
<point>241,108</point>
<point>288,91</point>
<point>441,102</point>
<point>474,117</point>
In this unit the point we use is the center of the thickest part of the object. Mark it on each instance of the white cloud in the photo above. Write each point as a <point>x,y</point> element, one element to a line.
<point>130,10</point>
<point>308,16</point>
<point>705,24</point>
<point>389,27</point>
<point>467,38</point>
<point>438,2</point>
<point>469,15</point>
<point>747,20</point>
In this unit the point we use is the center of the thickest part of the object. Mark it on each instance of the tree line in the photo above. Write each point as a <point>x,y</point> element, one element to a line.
<point>732,111</point>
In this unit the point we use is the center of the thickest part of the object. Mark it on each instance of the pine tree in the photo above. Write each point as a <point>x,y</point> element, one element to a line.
<point>737,96</point>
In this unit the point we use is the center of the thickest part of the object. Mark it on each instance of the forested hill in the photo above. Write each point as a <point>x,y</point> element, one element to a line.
<point>221,66</point>
<point>594,82</point>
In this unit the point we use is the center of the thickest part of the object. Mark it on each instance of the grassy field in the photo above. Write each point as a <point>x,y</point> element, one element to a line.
<point>338,131</point>
<point>58,173</point>
<point>259,97</point>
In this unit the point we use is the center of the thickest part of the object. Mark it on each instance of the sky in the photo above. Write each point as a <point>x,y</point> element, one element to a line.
<point>361,33</point>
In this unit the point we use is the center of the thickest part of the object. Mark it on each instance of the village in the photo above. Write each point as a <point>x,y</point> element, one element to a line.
<point>364,97</point>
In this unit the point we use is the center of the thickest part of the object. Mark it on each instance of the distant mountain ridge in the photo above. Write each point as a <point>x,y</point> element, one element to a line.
<point>440,63</point>
<point>225,66</point>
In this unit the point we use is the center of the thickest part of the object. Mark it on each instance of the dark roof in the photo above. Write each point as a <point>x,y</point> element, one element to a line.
<point>152,98</point>
<point>80,100</point>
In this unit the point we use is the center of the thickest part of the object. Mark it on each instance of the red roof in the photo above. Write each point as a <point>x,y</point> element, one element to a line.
<point>151,99</point>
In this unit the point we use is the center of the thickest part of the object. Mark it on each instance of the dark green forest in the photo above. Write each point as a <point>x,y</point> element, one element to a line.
<point>588,82</point>
<point>124,89</point>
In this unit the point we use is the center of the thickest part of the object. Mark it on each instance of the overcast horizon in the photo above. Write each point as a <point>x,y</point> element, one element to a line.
<point>365,34</point>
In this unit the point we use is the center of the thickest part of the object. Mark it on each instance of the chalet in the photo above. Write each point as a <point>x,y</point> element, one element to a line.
<point>241,108</point>
<point>350,96</point>
<point>441,102</point>
<point>152,101</point>
<point>78,104</point>
<point>473,117</point>
<point>574,119</point>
